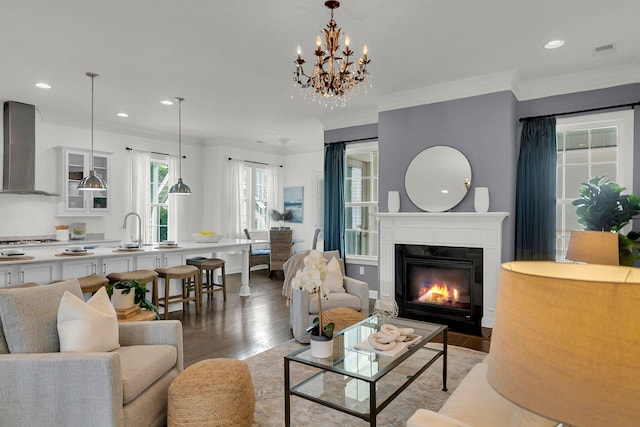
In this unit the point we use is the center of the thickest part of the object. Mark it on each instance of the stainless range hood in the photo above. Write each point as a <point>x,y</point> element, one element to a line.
<point>19,172</point>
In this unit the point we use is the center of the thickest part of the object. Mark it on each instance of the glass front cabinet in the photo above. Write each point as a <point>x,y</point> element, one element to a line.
<point>76,164</point>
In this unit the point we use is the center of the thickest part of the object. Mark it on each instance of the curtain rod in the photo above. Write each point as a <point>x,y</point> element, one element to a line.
<point>351,141</point>
<point>151,152</point>
<point>257,163</point>
<point>567,113</point>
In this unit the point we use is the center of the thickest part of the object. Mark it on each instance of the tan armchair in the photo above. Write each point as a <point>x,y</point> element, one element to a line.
<point>303,309</point>
<point>44,387</point>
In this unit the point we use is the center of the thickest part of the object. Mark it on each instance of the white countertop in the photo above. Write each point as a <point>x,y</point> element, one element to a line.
<point>51,252</point>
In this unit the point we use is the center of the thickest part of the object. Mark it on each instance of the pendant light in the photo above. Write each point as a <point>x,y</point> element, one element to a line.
<point>180,188</point>
<point>92,182</point>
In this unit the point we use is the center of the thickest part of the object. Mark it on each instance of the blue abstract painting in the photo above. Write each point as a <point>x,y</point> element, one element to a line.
<point>293,201</point>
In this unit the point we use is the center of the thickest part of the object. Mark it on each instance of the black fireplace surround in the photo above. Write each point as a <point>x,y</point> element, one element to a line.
<point>440,284</point>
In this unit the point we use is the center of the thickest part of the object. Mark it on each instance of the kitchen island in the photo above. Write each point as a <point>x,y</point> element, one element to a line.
<point>44,264</point>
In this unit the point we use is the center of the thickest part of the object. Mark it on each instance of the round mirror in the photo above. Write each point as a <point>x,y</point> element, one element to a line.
<point>438,178</point>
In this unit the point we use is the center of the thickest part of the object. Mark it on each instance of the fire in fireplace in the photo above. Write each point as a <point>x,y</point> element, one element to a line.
<point>440,284</point>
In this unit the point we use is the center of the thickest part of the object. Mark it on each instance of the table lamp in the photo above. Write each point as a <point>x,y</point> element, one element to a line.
<point>566,342</point>
<point>593,247</point>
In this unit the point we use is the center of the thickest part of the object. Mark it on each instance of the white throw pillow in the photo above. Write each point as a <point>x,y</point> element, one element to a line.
<point>333,279</point>
<point>90,326</point>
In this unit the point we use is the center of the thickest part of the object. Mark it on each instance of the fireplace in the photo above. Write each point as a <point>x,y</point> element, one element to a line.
<point>440,284</point>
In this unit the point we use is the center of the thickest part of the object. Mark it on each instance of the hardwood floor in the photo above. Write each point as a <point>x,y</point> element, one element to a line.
<point>244,326</point>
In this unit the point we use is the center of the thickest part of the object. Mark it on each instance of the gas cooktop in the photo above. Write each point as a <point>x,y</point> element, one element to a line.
<point>27,242</point>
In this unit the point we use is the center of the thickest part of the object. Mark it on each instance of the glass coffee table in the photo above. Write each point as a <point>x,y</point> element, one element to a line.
<point>361,382</point>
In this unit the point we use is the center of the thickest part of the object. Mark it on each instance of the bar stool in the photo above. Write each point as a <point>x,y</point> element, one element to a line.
<point>141,276</point>
<point>190,277</point>
<point>208,266</point>
<point>91,283</point>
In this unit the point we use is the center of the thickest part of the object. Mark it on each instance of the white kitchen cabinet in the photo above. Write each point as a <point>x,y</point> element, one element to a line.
<point>148,262</point>
<point>43,273</point>
<point>116,265</point>
<point>172,259</point>
<point>8,275</point>
<point>74,165</point>
<point>80,268</point>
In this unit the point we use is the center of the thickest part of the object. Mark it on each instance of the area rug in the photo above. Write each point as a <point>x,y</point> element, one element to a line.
<point>267,372</point>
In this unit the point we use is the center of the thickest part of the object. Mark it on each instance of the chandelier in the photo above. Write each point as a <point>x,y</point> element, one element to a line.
<point>334,78</point>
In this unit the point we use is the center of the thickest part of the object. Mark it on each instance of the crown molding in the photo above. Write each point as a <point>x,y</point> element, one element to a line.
<point>578,82</point>
<point>448,91</point>
<point>354,118</point>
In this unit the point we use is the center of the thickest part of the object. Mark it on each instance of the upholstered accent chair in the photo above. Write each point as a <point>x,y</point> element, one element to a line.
<point>45,387</point>
<point>303,307</point>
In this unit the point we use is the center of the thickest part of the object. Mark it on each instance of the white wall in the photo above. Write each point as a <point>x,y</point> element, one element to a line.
<point>204,170</point>
<point>301,170</point>
<point>31,215</point>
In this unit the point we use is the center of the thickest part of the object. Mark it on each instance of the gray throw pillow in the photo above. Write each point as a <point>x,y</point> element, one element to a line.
<point>30,316</point>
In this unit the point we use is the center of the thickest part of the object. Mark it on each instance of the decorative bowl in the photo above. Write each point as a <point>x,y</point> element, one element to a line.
<point>207,238</point>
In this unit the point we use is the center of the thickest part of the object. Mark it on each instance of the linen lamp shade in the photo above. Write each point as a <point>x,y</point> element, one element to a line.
<point>566,342</point>
<point>593,247</point>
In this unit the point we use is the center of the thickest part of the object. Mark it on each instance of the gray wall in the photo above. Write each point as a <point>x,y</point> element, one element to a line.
<point>486,130</point>
<point>483,128</point>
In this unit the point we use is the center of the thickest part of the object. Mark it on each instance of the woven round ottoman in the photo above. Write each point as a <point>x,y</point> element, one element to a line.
<point>342,317</point>
<point>213,392</point>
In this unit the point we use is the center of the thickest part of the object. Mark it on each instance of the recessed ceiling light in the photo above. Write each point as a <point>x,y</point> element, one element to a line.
<point>445,191</point>
<point>122,115</point>
<point>166,102</point>
<point>43,85</point>
<point>554,44</point>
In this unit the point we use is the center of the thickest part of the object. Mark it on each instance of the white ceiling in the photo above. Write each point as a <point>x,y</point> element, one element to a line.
<point>233,60</point>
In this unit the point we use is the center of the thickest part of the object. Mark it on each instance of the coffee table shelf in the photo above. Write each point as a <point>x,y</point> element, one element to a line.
<point>359,382</point>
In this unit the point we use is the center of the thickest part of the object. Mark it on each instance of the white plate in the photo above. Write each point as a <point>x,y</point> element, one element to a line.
<point>121,248</point>
<point>11,255</point>
<point>75,252</point>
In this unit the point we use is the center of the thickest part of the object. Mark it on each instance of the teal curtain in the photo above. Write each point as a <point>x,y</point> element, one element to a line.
<point>536,191</point>
<point>334,220</point>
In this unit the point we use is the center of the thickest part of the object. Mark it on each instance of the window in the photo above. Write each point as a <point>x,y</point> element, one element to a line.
<point>589,146</point>
<point>159,203</point>
<point>361,201</point>
<point>255,198</point>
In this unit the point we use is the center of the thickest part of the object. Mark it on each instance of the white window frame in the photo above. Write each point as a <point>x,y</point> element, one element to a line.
<point>624,121</point>
<point>152,227</point>
<point>249,216</point>
<point>373,205</point>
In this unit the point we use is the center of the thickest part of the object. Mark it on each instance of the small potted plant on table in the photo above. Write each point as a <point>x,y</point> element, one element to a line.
<point>124,299</point>
<point>311,279</point>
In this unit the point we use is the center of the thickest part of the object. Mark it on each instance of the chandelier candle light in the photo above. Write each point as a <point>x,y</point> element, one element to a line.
<point>335,84</point>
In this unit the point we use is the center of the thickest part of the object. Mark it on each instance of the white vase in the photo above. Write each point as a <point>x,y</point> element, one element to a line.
<point>321,347</point>
<point>481,200</point>
<point>393,201</point>
<point>122,301</point>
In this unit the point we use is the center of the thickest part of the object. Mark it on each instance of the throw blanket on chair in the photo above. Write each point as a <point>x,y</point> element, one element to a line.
<point>295,263</point>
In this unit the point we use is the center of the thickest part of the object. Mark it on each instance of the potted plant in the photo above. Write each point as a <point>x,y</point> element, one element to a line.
<point>123,298</point>
<point>311,279</point>
<point>602,207</point>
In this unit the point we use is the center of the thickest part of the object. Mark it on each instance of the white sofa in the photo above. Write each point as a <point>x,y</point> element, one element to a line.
<point>474,403</point>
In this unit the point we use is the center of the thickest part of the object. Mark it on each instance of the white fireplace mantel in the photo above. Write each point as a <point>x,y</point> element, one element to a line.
<point>456,229</point>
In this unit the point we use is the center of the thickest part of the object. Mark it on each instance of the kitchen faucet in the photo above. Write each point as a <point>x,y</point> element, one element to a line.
<point>124,226</point>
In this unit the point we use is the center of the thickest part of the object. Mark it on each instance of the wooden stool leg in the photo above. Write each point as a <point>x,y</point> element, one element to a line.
<point>154,292</point>
<point>167,281</point>
<point>198,289</point>
<point>224,284</point>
